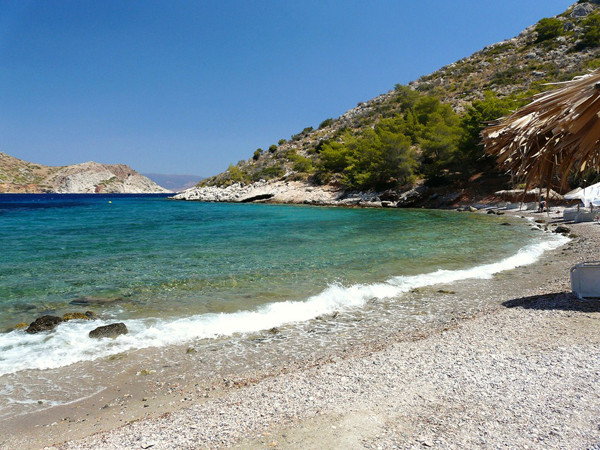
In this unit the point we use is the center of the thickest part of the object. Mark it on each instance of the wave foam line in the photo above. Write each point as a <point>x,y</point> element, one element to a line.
<point>21,351</point>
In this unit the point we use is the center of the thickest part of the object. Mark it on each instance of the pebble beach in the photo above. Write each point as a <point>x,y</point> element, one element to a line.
<point>521,373</point>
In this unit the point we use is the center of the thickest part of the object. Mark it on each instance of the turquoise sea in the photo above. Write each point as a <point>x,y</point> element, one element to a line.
<point>178,272</point>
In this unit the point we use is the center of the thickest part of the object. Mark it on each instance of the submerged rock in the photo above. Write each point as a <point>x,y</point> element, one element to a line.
<point>86,301</point>
<point>88,315</point>
<point>113,330</point>
<point>44,323</point>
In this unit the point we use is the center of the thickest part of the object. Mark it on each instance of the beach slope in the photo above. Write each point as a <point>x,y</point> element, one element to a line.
<point>523,373</point>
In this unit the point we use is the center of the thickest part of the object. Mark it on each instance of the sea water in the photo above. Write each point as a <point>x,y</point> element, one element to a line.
<point>178,272</point>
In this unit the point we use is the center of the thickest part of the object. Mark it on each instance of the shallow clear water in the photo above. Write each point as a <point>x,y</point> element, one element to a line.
<point>186,270</point>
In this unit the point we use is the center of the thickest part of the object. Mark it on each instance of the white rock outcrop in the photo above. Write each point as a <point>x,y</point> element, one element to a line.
<point>295,192</point>
<point>92,177</point>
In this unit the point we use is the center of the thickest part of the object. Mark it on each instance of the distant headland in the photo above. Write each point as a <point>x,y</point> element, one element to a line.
<point>18,176</point>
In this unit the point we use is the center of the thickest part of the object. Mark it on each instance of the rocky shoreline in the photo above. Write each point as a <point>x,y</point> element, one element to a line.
<point>520,373</point>
<point>301,192</point>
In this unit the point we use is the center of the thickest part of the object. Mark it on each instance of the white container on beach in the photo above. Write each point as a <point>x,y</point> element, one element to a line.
<point>585,279</point>
<point>584,217</point>
<point>570,214</point>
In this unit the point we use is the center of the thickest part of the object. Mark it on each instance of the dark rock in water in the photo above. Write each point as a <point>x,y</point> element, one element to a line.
<point>491,211</point>
<point>44,323</point>
<point>386,204</point>
<point>86,301</point>
<point>506,224</point>
<point>113,330</point>
<point>274,330</point>
<point>562,229</point>
<point>25,307</point>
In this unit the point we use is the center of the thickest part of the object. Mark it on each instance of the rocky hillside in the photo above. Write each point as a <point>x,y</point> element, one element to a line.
<point>554,49</point>
<point>18,176</point>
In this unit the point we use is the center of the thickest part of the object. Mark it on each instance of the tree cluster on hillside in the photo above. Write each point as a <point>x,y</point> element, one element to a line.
<point>423,139</point>
<point>431,130</point>
<point>427,139</point>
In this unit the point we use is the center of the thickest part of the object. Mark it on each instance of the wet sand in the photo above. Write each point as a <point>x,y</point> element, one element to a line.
<point>520,372</point>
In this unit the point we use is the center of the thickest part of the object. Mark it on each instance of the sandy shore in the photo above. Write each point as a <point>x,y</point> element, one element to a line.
<point>522,373</point>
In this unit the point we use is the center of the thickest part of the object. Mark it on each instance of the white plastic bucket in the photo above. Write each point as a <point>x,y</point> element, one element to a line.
<point>585,279</point>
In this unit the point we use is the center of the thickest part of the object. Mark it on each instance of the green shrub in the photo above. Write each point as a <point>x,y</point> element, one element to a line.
<point>280,142</point>
<point>326,123</point>
<point>302,134</point>
<point>508,76</point>
<point>236,175</point>
<point>481,112</point>
<point>302,164</point>
<point>268,173</point>
<point>591,31</point>
<point>257,153</point>
<point>376,159</point>
<point>549,28</point>
<point>273,148</point>
<point>498,50</point>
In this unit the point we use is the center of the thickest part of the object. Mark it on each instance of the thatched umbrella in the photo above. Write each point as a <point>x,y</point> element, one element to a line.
<point>559,131</point>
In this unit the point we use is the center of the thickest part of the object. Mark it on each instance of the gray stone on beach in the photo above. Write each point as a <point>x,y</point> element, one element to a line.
<point>113,330</point>
<point>562,229</point>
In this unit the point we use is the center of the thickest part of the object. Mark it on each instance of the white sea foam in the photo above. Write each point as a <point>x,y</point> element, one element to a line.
<point>68,343</point>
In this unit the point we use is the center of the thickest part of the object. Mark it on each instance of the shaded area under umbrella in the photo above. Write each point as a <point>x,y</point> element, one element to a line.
<point>559,131</point>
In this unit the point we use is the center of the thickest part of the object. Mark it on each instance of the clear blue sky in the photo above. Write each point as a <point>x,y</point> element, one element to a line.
<point>184,87</point>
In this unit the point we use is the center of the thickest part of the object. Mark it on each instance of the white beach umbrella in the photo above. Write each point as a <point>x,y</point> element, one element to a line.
<point>588,196</point>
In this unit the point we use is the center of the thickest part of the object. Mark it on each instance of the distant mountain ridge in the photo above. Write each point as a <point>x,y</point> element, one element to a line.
<point>174,182</point>
<point>19,176</point>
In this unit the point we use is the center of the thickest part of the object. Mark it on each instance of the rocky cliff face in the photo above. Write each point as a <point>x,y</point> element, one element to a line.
<point>18,176</point>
